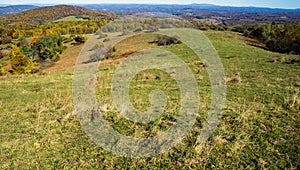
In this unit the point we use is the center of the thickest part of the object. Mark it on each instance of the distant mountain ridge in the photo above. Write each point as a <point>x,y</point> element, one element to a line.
<point>226,15</point>
<point>12,9</point>
<point>121,8</point>
<point>244,8</point>
<point>162,7</point>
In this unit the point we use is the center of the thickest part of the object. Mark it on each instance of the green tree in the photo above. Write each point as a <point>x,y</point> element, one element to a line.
<point>47,47</point>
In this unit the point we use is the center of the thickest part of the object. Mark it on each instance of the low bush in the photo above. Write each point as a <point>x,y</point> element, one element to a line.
<point>80,39</point>
<point>166,40</point>
<point>1,55</point>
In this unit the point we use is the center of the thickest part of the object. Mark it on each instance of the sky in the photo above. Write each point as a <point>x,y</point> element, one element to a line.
<point>292,4</point>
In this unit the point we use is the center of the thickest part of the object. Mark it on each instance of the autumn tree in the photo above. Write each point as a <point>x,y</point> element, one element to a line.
<point>1,54</point>
<point>47,47</point>
<point>18,60</point>
<point>33,41</point>
<point>283,38</point>
<point>5,39</point>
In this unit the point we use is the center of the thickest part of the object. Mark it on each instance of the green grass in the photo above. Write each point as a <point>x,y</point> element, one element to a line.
<point>70,18</point>
<point>259,129</point>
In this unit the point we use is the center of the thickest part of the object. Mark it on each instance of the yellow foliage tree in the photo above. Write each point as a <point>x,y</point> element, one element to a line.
<point>49,32</point>
<point>33,40</point>
<point>31,67</point>
<point>2,70</point>
<point>20,63</point>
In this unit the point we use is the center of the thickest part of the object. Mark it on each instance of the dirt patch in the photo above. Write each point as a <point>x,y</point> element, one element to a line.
<point>124,49</point>
<point>275,59</point>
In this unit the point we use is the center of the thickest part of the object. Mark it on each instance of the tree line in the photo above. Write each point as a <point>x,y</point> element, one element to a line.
<point>282,38</point>
<point>30,48</point>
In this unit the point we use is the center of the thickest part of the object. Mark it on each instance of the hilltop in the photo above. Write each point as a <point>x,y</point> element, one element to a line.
<point>259,128</point>
<point>52,13</point>
<point>44,50</point>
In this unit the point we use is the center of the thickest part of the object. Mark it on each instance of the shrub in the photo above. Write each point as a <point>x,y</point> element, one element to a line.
<point>102,36</point>
<point>23,42</point>
<point>33,41</point>
<point>80,39</point>
<point>204,28</point>
<point>1,55</point>
<point>26,51</point>
<point>19,63</point>
<point>56,57</point>
<point>2,70</point>
<point>4,39</point>
<point>166,40</point>
<point>106,40</point>
<point>31,67</point>
<point>67,39</point>
<point>113,49</point>
<point>138,30</point>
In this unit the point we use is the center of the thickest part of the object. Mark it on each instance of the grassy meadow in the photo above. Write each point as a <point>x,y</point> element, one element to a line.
<point>71,18</point>
<point>260,128</point>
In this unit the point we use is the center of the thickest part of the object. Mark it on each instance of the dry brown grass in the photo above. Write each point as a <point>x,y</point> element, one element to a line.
<point>292,102</point>
<point>236,78</point>
<point>148,76</point>
<point>133,44</point>
<point>67,61</point>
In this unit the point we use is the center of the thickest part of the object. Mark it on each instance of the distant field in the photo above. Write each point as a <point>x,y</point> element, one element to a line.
<point>259,129</point>
<point>71,18</point>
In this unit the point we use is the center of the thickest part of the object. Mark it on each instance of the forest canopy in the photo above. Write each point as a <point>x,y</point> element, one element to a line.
<point>36,38</point>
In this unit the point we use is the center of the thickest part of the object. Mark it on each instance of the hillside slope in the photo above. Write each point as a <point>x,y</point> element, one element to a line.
<point>259,128</point>
<point>52,13</point>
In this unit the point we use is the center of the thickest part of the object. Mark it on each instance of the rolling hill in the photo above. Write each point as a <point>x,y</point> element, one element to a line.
<point>52,13</point>
<point>12,9</point>
<point>259,128</point>
<point>41,125</point>
<point>170,8</point>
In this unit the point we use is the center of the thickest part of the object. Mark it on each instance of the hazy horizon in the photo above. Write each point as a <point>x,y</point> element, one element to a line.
<point>242,3</point>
